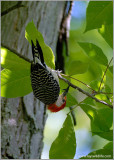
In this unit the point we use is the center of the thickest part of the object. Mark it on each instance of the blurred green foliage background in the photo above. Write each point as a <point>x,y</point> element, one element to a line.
<point>89,54</point>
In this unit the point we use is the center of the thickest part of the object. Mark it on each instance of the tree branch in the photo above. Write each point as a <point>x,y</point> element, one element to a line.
<point>15,52</point>
<point>82,91</point>
<point>18,5</point>
<point>62,78</point>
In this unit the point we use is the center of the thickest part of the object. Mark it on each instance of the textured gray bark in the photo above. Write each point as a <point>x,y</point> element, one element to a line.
<point>23,118</point>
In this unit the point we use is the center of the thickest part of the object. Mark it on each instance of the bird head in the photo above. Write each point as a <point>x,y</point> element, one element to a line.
<point>60,103</point>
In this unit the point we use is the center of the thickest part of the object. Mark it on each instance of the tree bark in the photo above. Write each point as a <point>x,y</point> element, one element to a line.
<point>23,118</point>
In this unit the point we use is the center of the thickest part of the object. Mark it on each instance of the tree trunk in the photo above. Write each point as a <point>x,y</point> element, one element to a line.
<point>23,118</point>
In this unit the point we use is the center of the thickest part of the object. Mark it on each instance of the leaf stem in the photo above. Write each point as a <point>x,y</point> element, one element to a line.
<point>104,74</point>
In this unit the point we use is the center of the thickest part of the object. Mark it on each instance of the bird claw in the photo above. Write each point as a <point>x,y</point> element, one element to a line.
<point>58,71</point>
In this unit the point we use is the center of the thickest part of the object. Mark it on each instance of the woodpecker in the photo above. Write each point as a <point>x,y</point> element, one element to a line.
<point>45,82</point>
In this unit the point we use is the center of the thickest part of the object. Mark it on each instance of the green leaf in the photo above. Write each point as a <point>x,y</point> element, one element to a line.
<point>15,78</point>
<point>15,83</point>
<point>64,147</point>
<point>107,32</point>
<point>77,67</point>
<point>101,117</point>
<point>95,70</point>
<point>95,84</point>
<point>109,146</point>
<point>31,33</point>
<point>89,101</point>
<point>71,101</point>
<point>99,154</point>
<point>108,90</point>
<point>109,78</point>
<point>98,13</point>
<point>9,60</point>
<point>95,53</point>
<point>111,69</point>
<point>106,135</point>
<point>103,120</point>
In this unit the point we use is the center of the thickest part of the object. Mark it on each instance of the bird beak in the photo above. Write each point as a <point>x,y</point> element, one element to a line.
<point>66,91</point>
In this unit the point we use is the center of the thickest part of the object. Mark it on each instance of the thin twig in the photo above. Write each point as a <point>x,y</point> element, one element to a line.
<point>100,92</point>
<point>79,81</point>
<point>105,74</point>
<point>73,114</point>
<point>95,92</point>
<point>15,52</point>
<point>84,92</point>
<point>18,5</point>
<point>75,106</point>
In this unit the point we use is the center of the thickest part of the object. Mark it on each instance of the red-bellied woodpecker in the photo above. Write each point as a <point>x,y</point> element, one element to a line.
<point>45,82</point>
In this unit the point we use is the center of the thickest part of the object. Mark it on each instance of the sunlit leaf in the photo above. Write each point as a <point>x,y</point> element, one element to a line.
<point>64,147</point>
<point>95,84</point>
<point>31,33</point>
<point>98,13</point>
<point>101,117</point>
<point>15,83</point>
<point>109,78</point>
<point>95,53</point>
<point>9,60</point>
<point>107,32</point>
<point>104,88</point>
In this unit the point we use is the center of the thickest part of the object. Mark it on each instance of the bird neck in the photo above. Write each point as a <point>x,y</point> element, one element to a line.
<point>55,108</point>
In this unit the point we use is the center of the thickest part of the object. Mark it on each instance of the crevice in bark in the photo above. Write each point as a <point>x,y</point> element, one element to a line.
<point>22,152</point>
<point>3,105</point>
<point>27,117</point>
<point>34,108</point>
<point>31,124</point>
<point>8,156</point>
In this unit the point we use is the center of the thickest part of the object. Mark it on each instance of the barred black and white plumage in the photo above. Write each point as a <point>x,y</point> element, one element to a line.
<point>45,86</point>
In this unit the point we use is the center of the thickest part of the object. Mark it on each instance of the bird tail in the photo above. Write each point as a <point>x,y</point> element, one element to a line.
<point>37,52</point>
